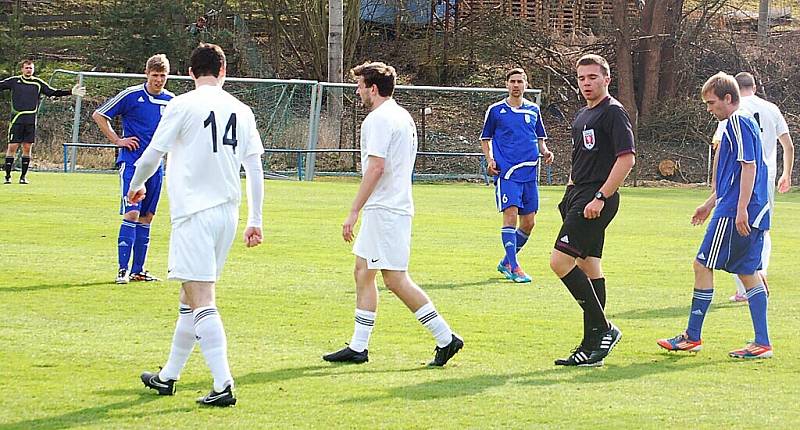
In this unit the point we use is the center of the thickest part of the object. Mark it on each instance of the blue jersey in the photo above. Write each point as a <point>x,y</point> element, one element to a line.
<point>140,112</point>
<point>741,142</point>
<point>514,133</point>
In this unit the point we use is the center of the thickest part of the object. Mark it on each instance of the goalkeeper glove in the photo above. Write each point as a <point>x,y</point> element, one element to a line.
<point>78,90</point>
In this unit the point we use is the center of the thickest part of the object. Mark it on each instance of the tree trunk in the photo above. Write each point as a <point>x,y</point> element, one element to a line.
<point>651,60</point>
<point>763,21</point>
<point>624,72</point>
<point>667,84</point>
<point>335,54</point>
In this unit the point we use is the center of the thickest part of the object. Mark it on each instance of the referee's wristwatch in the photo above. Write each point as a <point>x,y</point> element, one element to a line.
<point>599,196</point>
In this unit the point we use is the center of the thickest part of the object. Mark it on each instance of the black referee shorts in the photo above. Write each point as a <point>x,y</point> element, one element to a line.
<point>19,133</point>
<point>581,237</point>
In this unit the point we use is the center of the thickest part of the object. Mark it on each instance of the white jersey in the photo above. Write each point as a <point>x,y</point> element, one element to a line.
<point>390,133</point>
<point>207,133</point>
<point>772,124</point>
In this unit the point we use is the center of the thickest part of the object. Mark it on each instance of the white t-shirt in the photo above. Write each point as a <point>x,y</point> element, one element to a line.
<point>389,132</point>
<point>207,133</point>
<point>772,124</point>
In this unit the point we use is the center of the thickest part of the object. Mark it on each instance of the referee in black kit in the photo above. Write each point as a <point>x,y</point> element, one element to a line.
<point>602,156</point>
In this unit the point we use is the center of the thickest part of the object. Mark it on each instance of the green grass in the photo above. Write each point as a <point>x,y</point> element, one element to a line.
<point>72,343</point>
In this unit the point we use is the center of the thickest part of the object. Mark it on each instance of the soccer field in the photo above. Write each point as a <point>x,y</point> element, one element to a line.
<point>73,343</point>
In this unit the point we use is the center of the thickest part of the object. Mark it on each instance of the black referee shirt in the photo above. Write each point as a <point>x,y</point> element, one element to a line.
<point>25,95</point>
<point>599,136</point>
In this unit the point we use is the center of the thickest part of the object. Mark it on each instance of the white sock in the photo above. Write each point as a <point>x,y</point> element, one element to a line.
<point>211,335</point>
<point>739,285</point>
<point>365,321</point>
<point>435,324</point>
<point>182,345</point>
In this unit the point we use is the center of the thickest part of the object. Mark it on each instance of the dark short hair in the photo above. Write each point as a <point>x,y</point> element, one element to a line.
<point>207,60</point>
<point>589,59</point>
<point>745,80</point>
<point>377,73</point>
<point>722,84</point>
<point>516,71</point>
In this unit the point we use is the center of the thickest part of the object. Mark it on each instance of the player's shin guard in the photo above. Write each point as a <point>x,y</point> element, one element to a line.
<point>509,237</point>
<point>435,324</point>
<point>26,163</point>
<point>581,289</point>
<point>125,241</point>
<point>9,164</point>
<point>701,301</point>
<point>182,344</point>
<point>140,246</point>
<point>364,323</point>
<point>757,301</point>
<point>214,345</point>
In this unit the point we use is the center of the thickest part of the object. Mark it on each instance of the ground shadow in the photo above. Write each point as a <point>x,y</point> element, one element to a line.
<point>451,388</point>
<point>42,287</point>
<point>454,285</point>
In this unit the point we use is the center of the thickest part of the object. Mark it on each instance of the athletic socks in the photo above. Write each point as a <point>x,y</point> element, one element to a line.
<point>364,323</point>
<point>125,241</point>
<point>581,289</point>
<point>435,324</point>
<point>599,286</point>
<point>701,300</point>
<point>140,245</point>
<point>509,236</point>
<point>211,336</point>
<point>757,301</point>
<point>522,239</point>
<point>182,345</point>
<point>26,162</point>
<point>8,166</point>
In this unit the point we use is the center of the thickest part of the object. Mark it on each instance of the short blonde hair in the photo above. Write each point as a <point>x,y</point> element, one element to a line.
<point>720,85</point>
<point>157,63</point>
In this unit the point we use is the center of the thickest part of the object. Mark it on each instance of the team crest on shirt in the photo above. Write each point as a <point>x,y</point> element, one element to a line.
<point>588,139</point>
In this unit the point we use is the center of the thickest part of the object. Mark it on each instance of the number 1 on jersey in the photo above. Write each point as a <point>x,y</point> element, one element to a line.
<point>230,130</point>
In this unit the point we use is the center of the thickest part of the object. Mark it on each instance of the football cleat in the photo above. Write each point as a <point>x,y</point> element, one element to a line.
<point>222,399</point>
<point>505,269</point>
<point>607,343</point>
<point>444,354</point>
<point>519,276</point>
<point>751,351</point>
<point>738,298</point>
<point>23,181</point>
<point>144,276</point>
<point>164,388</point>
<point>7,181</point>
<point>122,276</point>
<point>578,357</point>
<point>681,342</point>
<point>347,355</point>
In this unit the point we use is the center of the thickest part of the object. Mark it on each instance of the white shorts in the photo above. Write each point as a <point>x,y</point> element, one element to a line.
<point>199,243</point>
<point>384,240</point>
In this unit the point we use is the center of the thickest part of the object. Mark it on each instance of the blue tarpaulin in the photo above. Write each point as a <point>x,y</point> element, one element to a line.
<point>411,11</point>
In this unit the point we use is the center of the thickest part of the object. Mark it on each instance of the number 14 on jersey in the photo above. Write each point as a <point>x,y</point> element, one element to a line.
<point>229,137</point>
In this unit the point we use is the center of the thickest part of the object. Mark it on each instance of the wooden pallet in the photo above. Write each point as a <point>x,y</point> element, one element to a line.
<point>563,16</point>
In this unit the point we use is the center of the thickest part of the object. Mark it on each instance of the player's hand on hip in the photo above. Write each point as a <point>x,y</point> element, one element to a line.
<point>131,143</point>
<point>784,183</point>
<point>742,223</point>
<point>253,236</point>
<point>700,214</point>
<point>348,225</point>
<point>135,196</point>
<point>593,208</point>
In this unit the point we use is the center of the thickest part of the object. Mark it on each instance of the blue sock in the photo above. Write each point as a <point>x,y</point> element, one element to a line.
<point>522,239</point>
<point>509,236</point>
<point>757,300</point>
<point>140,246</point>
<point>701,300</point>
<point>127,236</point>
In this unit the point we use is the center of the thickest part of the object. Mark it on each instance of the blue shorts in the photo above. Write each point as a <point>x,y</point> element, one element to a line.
<point>523,195</point>
<point>153,186</point>
<point>723,248</point>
